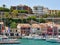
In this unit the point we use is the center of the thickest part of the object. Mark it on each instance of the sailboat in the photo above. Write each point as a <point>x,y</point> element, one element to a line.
<point>53,39</point>
<point>3,38</point>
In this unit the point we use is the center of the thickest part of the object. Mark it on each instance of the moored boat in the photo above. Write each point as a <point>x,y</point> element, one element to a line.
<point>27,37</point>
<point>52,39</point>
<point>5,40</point>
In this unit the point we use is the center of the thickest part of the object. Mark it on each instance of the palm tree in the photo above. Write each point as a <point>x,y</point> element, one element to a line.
<point>4,5</point>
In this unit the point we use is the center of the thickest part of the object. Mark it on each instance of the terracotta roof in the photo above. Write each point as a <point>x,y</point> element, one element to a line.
<point>43,25</point>
<point>35,26</point>
<point>24,25</point>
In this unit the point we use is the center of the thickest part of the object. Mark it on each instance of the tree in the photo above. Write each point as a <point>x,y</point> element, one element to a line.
<point>58,14</point>
<point>13,25</point>
<point>45,16</point>
<point>15,13</point>
<point>41,20</point>
<point>31,18</point>
<point>11,9</point>
<point>4,9</point>
<point>4,5</point>
<point>22,11</point>
<point>6,15</point>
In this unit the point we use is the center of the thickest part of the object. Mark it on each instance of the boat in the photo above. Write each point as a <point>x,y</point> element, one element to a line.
<point>53,40</point>
<point>36,37</point>
<point>5,40</point>
<point>27,37</point>
<point>43,38</point>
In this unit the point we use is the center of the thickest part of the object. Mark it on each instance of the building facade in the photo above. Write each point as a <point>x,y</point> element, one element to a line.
<point>1,27</point>
<point>53,11</point>
<point>22,7</point>
<point>35,29</point>
<point>24,29</point>
<point>40,10</point>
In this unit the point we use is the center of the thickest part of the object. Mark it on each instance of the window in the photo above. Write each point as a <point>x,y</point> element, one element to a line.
<point>10,30</point>
<point>36,8</point>
<point>59,30</point>
<point>6,34</point>
<point>38,29</point>
<point>16,30</point>
<point>17,34</point>
<point>59,33</point>
<point>11,34</point>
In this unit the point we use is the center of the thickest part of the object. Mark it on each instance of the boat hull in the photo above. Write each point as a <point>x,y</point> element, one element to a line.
<point>9,42</point>
<point>53,40</point>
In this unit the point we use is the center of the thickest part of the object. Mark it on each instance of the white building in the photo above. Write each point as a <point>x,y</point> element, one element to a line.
<point>40,10</point>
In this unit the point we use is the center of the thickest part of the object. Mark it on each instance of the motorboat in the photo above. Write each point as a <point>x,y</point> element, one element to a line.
<point>53,40</point>
<point>36,37</point>
<point>5,40</point>
<point>28,37</point>
<point>43,38</point>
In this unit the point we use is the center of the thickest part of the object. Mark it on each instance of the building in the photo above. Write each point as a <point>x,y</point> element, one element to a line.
<point>53,11</point>
<point>22,7</point>
<point>52,28</point>
<point>40,10</point>
<point>24,29</point>
<point>35,29</point>
<point>43,28</point>
<point>58,27</point>
<point>12,32</point>
<point>1,27</point>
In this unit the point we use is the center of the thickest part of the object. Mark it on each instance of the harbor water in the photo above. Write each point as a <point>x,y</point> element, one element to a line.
<point>33,42</point>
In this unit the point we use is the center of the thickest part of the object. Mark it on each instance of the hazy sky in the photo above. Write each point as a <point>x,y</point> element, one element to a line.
<point>51,4</point>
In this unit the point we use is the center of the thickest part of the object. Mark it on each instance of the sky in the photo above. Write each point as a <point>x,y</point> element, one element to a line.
<point>51,4</point>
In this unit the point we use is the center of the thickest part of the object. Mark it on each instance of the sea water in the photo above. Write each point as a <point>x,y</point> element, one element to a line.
<point>33,42</point>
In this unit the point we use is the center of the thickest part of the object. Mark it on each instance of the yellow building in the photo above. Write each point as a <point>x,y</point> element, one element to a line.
<point>53,11</point>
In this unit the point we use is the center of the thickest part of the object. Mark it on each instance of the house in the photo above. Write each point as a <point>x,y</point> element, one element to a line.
<point>25,29</point>
<point>43,28</point>
<point>35,28</point>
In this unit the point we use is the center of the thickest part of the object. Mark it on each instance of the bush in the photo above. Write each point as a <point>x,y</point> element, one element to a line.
<point>4,9</point>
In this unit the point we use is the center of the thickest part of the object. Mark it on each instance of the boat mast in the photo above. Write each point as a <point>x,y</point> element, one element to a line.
<point>53,26</point>
<point>1,21</point>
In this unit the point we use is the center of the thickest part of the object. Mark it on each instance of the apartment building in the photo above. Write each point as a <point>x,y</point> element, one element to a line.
<point>40,10</point>
<point>22,7</point>
<point>53,11</point>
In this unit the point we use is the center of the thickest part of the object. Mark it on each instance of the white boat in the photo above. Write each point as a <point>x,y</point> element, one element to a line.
<point>43,38</point>
<point>28,37</point>
<point>5,40</point>
<point>53,39</point>
<point>36,37</point>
